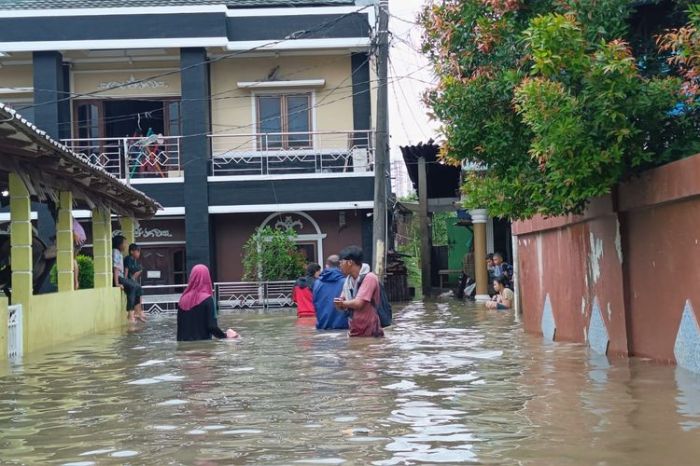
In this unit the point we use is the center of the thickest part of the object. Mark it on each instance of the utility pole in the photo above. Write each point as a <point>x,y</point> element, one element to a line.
<point>425,234</point>
<point>381,155</point>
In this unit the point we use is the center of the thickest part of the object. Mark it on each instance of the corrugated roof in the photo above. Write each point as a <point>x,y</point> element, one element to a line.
<point>55,166</point>
<point>82,4</point>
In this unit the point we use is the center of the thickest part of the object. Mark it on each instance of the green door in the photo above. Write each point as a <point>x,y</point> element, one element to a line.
<point>459,242</point>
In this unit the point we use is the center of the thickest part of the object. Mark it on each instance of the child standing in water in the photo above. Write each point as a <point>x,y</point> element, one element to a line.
<point>133,269</point>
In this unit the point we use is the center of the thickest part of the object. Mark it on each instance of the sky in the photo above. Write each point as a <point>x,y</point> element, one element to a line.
<point>409,75</point>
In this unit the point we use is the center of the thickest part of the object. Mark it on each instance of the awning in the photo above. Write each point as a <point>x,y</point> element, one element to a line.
<point>48,167</point>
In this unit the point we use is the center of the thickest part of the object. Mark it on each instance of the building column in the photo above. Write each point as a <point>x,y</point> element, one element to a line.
<point>128,227</point>
<point>361,96</point>
<point>102,248</point>
<point>479,219</point>
<point>196,154</point>
<point>22,261</point>
<point>51,114</point>
<point>65,263</point>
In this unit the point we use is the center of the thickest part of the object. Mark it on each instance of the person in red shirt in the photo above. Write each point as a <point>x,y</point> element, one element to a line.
<point>302,294</point>
<point>364,294</point>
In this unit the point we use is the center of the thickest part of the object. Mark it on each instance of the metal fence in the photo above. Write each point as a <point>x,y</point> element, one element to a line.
<point>127,158</point>
<point>292,153</point>
<point>15,332</point>
<point>254,295</point>
<point>163,299</point>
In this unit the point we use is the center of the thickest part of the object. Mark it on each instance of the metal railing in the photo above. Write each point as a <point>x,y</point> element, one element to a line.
<point>163,299</point>
<point>128,158</point>
<point>15,332</point>
<point>292,153</point>
<point>254,295</point>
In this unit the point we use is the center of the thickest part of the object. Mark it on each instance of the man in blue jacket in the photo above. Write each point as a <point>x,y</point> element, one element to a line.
<point>326,288</point>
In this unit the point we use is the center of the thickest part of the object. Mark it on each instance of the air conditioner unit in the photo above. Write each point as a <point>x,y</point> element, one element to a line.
<point>360,159</point>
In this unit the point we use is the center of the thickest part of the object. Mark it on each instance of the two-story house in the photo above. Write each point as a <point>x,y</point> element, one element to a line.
<point>233,114</point>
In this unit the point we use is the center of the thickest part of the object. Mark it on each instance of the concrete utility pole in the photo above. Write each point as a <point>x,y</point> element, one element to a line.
<point>425,236</point>
<point>381,156</point>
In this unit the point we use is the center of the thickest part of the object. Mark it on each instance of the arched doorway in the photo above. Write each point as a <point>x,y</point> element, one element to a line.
<point>309,236</point>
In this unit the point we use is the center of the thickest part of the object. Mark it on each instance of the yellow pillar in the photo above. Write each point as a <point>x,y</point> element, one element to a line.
<point>22,261</point>
<point>65,263</point>
<point>479,219</point>
<point>102,248</point>
<point>128,226</point>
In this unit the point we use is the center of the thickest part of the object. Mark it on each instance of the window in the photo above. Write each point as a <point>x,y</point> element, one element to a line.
<point>284,121</point>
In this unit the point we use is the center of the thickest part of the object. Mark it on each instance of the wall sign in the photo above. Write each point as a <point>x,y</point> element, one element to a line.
<point>132,83</point>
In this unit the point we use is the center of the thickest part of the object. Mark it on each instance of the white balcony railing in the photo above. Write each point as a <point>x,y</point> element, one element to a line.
<point>292,153</point>
<point>129,158</point>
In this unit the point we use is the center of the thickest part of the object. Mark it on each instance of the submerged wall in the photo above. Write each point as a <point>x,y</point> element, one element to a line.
<point>623,277</point>
<point>57,318</point>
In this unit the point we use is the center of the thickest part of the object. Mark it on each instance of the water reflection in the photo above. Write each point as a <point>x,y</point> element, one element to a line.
<point>449,385</point>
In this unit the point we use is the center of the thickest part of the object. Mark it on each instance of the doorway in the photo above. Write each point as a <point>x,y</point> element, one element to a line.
<point>163,266</point>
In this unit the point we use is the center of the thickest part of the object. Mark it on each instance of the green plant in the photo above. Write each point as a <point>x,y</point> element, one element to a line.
<point>272,254</point>
<point>548,96</point>
<point>86,273</point>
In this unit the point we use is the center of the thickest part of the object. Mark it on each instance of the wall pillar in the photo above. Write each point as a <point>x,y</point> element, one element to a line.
<point>65,263</point>
<point>128,228</point>
<point>22,261</point>
<point>196,154</point>
<point>102,248</point>
<point>479,219</point>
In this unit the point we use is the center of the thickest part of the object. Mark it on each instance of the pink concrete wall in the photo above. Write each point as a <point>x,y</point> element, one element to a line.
<point>635,253</point>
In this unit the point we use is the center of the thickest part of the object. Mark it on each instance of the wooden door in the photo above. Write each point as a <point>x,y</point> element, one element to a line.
<point>157,266</point>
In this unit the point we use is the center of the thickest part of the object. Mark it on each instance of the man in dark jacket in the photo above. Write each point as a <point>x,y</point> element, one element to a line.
<point>326,288</point>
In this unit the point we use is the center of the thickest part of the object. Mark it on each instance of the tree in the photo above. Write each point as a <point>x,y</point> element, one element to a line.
<point>271,254</point>
<point>548,96</point>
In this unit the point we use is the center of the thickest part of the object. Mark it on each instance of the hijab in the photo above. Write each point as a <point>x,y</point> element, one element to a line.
<point>199,288</point>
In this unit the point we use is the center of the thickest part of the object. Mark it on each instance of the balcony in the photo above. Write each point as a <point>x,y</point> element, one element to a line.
<point>153,157</point>
<point>300,153</point>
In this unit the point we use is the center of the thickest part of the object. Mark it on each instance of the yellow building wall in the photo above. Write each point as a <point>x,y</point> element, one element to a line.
<point>146,81</point>
<point>232,108</point>
<point>4,316</point>
<point>16,76</point>
<point>57,318</point>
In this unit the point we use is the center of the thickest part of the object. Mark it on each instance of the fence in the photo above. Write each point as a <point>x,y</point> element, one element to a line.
<point>251,295</point>
<point>127,158</point>
<point>15,332</point>
<point>163,299</point>
<point>292,153</point>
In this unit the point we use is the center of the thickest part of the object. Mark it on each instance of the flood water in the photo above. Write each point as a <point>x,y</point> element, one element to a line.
<point>450,384</point>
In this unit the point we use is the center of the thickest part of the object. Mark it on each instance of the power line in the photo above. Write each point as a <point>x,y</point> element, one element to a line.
<point>293,36</point>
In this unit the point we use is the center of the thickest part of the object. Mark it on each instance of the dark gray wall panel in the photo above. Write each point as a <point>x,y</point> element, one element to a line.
<point>291,191</point>
<point>279,27</point>
<point>65,28</point>
<point>167,194</point>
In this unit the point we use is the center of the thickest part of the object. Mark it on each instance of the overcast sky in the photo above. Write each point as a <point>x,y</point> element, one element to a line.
<point>408,121</point>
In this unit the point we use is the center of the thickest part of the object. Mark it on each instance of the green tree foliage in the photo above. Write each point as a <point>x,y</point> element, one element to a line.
<point>86,273</point>
<point>271,254</point>
<point>548,96</point>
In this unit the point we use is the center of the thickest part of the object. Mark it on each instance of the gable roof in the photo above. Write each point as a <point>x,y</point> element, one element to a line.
<point>87,4</point>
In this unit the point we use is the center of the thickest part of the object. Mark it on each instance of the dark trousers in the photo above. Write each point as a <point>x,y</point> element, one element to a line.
<point>132,290</point>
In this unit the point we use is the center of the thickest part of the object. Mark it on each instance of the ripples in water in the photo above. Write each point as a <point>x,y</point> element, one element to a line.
<point>450,384</point>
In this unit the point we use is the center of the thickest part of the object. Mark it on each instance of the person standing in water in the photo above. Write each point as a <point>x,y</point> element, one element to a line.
<point>364,294</point>
<point>196,310</point>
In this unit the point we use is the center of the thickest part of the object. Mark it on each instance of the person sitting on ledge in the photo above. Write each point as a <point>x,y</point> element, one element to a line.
<point>504,297</point>
<point>196,311</point>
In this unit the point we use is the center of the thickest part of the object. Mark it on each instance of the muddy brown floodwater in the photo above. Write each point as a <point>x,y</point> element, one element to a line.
<point>450,384</point>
